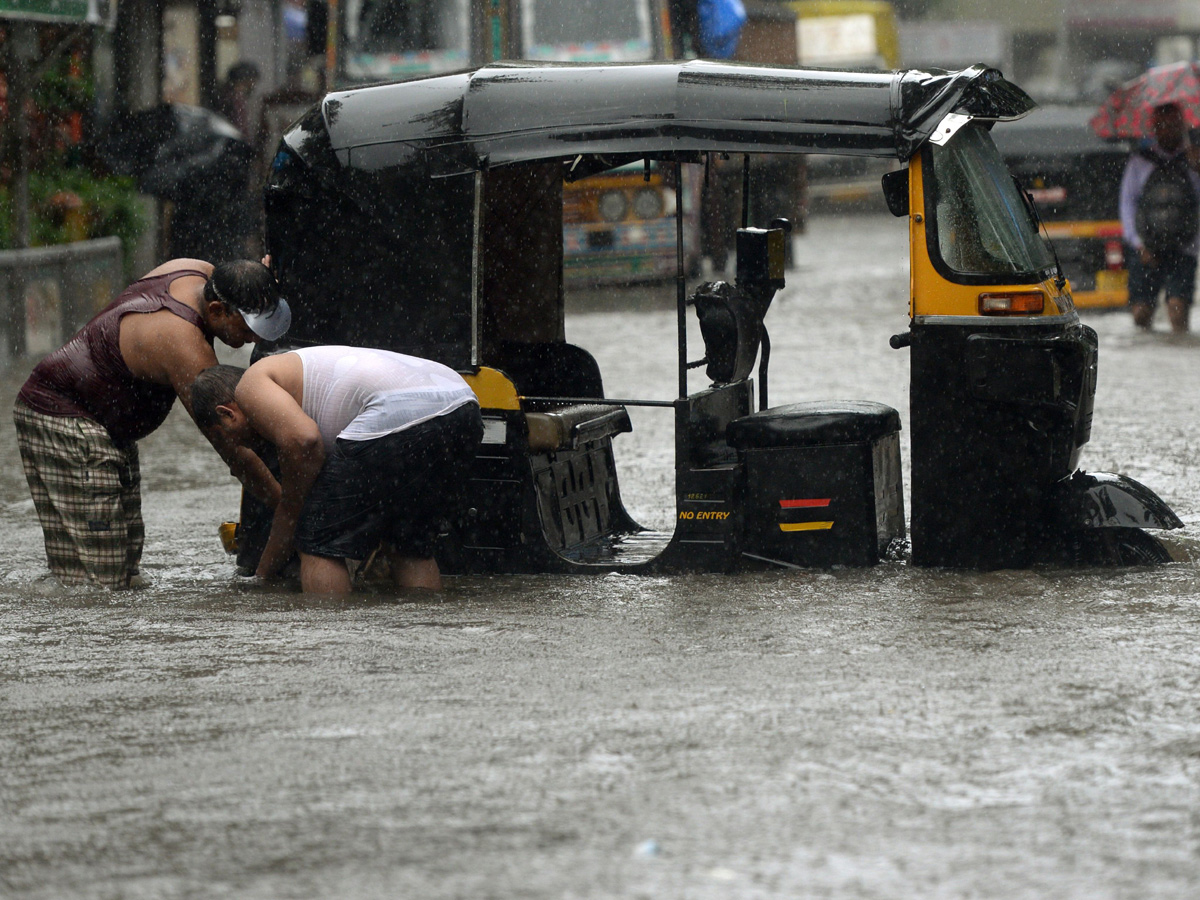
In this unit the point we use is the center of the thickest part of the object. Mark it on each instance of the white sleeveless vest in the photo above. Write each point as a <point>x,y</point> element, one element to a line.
<point>359,394</point>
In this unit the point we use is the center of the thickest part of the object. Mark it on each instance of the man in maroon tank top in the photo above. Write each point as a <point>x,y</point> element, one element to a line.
<point>85,406</point>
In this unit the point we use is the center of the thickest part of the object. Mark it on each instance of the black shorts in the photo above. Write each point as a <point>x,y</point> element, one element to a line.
<point>403,489</point>
<point>1175,276</point>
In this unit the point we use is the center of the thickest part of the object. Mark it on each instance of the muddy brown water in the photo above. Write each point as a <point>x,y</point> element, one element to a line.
<point>889,732</point>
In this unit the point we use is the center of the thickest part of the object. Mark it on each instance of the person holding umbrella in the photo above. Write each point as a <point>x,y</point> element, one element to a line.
<point>1160,220</point>
<point>83,409</point>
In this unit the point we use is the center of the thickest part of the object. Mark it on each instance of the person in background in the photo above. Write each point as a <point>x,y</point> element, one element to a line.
<point>373,447</point>
<point>233,98</point>
<point>83,409</point>
<point>1160,220</point>
<point>221,217</point>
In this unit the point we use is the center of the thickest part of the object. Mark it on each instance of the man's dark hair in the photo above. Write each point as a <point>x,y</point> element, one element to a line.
<point>244,284</point>
<point>212,388</point>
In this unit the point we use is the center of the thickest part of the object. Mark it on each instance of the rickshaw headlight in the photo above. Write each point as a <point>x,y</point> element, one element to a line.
<point>613,206</point>
<point>1012,303</point>
<point>647,204</point>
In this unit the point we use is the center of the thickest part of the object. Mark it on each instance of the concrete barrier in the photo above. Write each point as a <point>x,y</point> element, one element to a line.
<point>48,293</point>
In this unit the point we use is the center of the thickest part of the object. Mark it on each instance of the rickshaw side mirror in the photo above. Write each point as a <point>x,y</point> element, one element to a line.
<point>731,324</point>
<point>895,191</point>
<point>762,258</point>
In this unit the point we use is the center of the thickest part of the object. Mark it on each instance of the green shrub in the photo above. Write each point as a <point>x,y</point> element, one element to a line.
<point>108,206</point>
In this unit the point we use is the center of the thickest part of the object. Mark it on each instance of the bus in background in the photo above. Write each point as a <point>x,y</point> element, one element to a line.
<point>351,43</point>
<point>369,41</point>
<point>612,31</point>
<point>390,40</point>
<point>848,34</point>
<point>619,227</point>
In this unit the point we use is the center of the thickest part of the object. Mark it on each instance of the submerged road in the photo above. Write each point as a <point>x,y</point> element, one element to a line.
<point>883,733</point>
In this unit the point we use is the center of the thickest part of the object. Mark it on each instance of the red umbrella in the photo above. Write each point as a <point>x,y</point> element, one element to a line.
<point>1126,113</point>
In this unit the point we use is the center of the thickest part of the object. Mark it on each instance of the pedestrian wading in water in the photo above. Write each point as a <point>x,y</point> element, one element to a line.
<point>1160,221</point>
<point>82,411</point>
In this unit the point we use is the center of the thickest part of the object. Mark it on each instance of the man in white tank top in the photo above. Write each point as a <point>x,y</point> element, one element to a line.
<point>373,446</point>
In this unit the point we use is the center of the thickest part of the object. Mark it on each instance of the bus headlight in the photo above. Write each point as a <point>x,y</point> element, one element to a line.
<point>613,206</point>
<point>647,204</point>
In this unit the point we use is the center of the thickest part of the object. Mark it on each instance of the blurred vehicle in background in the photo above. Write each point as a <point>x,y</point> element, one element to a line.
<point>620,226</point>
<point>1074,180</point>
<point>622,229</point>
<point>850,34</point>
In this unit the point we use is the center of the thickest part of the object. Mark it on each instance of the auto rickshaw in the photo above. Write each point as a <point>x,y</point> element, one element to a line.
<point>425,217</point>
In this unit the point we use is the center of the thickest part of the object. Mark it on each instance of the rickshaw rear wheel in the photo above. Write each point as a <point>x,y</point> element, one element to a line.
<point>1117,547</point>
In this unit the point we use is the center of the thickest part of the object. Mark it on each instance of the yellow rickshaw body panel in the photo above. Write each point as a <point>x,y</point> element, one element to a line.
<point>494,389</point>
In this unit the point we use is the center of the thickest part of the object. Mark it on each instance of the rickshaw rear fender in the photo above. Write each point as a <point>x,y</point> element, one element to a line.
<point>1106,500</point>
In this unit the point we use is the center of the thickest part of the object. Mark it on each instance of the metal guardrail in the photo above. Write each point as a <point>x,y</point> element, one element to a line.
<point>48,293</point>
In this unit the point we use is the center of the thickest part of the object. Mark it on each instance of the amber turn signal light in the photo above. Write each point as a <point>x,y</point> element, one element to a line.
<point>1022,303</point>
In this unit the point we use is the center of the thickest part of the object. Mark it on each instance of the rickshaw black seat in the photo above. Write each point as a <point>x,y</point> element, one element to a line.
<point>569,427</point>
<point>813,424</point>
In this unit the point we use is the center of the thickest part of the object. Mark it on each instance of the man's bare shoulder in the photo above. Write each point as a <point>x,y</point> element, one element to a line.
<point>176,265</point>
<point>278,362</point>
<point>283,370</point>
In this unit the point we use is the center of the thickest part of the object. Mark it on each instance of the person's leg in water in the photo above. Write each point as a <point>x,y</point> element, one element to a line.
<point>1144,278</point>
<point>445,458</point>
<point>323,574</point>
<point>1179,285</point>
<point>1178,313</point>
<point>414,572</point>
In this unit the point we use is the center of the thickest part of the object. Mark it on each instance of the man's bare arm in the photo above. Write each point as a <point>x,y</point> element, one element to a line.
<point>276,415</point>
<point>172,351</point>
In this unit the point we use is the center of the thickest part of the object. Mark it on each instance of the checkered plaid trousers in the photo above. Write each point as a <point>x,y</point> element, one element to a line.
<point>86,491</point>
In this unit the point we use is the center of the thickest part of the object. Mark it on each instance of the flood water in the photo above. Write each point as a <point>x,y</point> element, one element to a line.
<point>882,733</point>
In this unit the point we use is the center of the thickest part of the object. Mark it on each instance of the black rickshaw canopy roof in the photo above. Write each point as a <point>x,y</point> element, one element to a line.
<point>522,112</point>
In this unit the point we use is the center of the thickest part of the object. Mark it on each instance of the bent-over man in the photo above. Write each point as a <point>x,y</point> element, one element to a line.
<point>373,447</point>
<point>82,411</point>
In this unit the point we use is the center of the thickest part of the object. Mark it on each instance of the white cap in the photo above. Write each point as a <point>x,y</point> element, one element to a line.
<point>270,326</point>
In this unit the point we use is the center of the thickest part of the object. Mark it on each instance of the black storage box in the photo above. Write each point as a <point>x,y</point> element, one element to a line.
<point>822,482</point>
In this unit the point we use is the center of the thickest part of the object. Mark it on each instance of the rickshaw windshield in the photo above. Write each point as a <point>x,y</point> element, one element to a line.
<point>982,226</point>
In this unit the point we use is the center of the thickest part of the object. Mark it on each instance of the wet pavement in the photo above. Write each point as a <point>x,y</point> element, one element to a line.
<point>883,733</point>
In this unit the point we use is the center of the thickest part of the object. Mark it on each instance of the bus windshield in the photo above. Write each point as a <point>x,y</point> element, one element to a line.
<point>982,223</point>
<point>571,31</point>
<point>385,39</point>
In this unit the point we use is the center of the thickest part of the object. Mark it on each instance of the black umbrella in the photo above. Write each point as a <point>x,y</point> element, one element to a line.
<point>174,150</point>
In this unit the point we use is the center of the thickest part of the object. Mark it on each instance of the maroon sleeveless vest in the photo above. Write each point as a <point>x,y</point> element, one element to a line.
<point>88,377</point>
